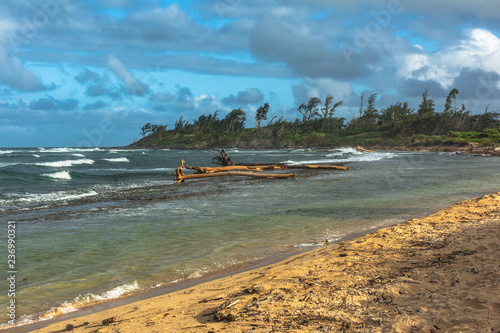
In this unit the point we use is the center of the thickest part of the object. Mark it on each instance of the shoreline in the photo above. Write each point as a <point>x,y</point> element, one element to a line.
<point>468,149</point>
<point>292,296</point>
<point>172,287</point>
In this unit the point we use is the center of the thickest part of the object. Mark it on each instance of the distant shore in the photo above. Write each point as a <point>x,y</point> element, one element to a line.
<point>470,149</point>
<point>436,273</point>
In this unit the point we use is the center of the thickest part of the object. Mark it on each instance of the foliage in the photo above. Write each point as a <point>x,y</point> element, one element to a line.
<point>261,114</point>
<point>318,126</point>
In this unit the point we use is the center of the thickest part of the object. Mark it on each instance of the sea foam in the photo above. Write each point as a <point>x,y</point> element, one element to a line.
<point>117,292</point>
<point>117,160</point>
<point>58,175</point>
<point>66,163</point>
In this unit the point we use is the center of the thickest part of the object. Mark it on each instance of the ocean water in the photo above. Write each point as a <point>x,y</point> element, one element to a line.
<point>98,224</point>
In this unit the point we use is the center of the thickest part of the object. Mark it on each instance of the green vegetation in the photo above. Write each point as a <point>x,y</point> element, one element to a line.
<point>395,125</point>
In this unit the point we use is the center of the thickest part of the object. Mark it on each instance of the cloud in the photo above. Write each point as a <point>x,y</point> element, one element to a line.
<point>88,76</point>
<point>247,97</point>
<point>478,88</point>
<point>415,88</point>
<point>132,85</point>
<point>478,49</point>
<point>14,75</point>
<point>95,106</point>
<point>183,103</point>
<point>97,85</point>
<point>51,104</point>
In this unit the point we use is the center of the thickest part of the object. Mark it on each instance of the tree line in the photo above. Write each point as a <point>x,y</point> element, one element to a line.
<point>319,117</point>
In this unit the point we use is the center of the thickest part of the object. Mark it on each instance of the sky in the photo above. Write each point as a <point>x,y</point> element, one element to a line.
<point>91,73</point>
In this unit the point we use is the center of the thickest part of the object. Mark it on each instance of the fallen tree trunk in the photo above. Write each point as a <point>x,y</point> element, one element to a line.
<point>264,167</point>
<point>181,177</point>
<point>365,150</point>
<point>233,168</point>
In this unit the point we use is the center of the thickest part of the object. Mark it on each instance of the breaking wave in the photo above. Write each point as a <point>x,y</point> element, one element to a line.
<point>66,163</point>
<point>58,175</point>
<point>117,160</point>
<point>79,302</point>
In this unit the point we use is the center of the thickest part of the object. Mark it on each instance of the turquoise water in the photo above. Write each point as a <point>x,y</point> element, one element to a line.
<point>98,224</point>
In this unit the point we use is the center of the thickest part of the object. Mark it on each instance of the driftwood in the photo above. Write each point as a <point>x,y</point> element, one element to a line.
<point>181,177</point>
<point>223,160</point>
<point>365,150</point>
<point>264,167</point>
<point>229,168</point>
<point>233,168</point>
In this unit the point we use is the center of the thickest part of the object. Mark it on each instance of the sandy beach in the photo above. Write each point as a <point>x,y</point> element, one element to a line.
<point>438,273</point>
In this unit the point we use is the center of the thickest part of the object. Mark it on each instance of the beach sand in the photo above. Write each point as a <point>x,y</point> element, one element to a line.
<point>438,273</point>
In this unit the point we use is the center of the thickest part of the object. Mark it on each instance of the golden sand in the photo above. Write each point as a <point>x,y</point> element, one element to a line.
<point>434,274</point>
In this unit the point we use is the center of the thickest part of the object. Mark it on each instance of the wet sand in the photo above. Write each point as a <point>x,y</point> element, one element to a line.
<point>438,273</point>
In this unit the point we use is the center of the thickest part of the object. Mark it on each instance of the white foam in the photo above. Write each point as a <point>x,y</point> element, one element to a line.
<point>58,175</point>
<point>110,294</point>
<point>67,150</point>
<point>52,196</point>
<point>53,312</point>
<point>354,156</point>
<point>66,163</point>
<point>78,155</point>
<point>35,155</point>
<point>117,160</point>
<point>4,164</point>
<point>77,303</point>
<point>6,152</point>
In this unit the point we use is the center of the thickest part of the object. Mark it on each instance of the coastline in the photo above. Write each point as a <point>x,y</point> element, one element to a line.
<point>436,273</point>
<point>466,149</point>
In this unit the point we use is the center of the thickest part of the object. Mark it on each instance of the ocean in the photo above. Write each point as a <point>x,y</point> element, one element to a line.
<point>98,224</point>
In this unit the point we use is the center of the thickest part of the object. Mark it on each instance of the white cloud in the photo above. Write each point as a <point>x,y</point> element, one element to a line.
<point>479,49</point>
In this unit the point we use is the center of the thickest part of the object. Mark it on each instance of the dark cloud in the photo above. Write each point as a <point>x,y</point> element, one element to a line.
<point>247,97</point>
<point>95,106</point>
<point>97,85</point>
<point>478,83</point>
<point>43,104</point>
<point>415,88</point>
<point>87,76</point>
<point>14,75</point>
<point>102,89</point>
<point>478,89</point>
<point>68,104</point>
<point>51,104</point>
<point>307,54</point>
<point>182,102</point>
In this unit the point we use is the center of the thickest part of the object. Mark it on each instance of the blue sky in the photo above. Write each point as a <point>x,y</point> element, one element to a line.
<point>92,73</point>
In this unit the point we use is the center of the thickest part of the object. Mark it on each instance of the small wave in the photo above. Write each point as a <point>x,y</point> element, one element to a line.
<point>66,163</point>
<point>3,165</point>
<point>35,155</point>
<point>58,175</point>
<point>78,155</point>
<point>67,150</point>
<point>2,152</point>
<point>117,160</point>
<point>78,302</point>
<point>360,157</point>
<point>52,196</point>
<point>117,292</point>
